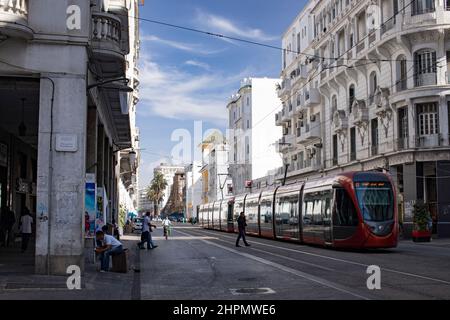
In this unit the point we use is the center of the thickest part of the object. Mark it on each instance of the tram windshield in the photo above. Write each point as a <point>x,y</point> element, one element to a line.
<point>375,200</point>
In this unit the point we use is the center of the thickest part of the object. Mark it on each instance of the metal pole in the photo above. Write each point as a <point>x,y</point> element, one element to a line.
<point>285,174</point>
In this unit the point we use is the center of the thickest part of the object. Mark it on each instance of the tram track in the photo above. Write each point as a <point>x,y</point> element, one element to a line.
<point>320,281</point>
<point>395,283</point>
<point>364,265</point>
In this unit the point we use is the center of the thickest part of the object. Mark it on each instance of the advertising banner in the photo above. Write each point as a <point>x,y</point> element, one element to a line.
<point>90,208</point>
<point>100,218</point>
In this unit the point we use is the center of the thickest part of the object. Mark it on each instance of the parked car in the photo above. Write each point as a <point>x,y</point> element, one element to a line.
<point>137,224</point>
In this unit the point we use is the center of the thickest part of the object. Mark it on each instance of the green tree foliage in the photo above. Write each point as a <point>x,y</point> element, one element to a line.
<point>155,192</point>
<point>422,216</point>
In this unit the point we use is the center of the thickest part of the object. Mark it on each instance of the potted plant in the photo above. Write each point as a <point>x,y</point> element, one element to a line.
<point>422,223</point>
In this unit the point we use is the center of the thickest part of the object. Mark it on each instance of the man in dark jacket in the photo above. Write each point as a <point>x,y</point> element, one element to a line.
<point>241,226</point>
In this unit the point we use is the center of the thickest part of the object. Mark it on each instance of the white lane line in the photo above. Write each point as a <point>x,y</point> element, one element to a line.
<point>288,270</point>
<point>348,262</point>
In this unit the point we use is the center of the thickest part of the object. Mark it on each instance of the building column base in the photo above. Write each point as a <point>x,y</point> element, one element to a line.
<point>58,264</point>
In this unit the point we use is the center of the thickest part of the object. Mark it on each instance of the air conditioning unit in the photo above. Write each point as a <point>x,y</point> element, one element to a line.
<point>294,158</point>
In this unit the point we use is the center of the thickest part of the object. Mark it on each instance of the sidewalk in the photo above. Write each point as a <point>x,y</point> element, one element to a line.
<point>23,285</point>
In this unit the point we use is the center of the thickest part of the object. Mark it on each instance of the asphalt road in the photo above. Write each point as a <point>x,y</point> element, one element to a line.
<point>197,264</point>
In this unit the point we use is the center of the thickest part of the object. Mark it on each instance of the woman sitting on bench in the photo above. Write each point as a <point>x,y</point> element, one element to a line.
<point>111,246</point>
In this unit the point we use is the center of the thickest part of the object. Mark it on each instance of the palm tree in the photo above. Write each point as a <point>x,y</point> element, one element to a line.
<point>155,192</point>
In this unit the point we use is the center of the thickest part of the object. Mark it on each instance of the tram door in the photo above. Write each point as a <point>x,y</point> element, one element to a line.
<point>327,216</point>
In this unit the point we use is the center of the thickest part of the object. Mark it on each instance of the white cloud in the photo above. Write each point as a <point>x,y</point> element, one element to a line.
<point>198,64</point>
<point>171,93</point>
<point>187,47</point>
<point>227,27</point>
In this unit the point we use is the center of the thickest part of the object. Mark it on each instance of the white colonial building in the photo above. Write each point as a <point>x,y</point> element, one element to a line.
<point>366,87</point>
<point>251,136</point>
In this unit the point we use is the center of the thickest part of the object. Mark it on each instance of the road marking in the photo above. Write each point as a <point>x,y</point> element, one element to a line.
<point>288,270</point>
<point>348,262</point>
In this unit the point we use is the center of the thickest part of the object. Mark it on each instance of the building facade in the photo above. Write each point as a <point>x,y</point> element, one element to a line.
<point>145,204</point>
<point>193,189</point>
<point>251,133</point>
<point>67,79</point>
<point>177,198</point>
<point>366,87</point>
<point>168,171</point>
<point>214,172</point>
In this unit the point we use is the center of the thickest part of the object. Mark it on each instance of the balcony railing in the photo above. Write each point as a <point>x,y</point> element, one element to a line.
<point>14,19</point>
<point>418,11</point>
<point>427,79</point>
<point>388,25</point>
<point>429,141</point>
<point>106,29</point>
<point>17,8</point>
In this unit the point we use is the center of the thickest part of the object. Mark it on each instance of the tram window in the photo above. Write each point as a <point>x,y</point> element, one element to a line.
<point>308,212</point>
<point>287,210</point>
<point>266,211</point>
<point>251,212</point>
<point>344,212</point>
<point>317,208</point>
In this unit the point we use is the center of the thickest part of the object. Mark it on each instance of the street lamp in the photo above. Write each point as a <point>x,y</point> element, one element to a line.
<point>114,84</point>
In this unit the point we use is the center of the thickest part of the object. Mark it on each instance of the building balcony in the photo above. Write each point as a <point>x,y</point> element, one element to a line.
<point>106,44</point>
<point>309,132</point>
<point>421,16</point>
<point>312,98</point>
<point>360,113</point>
<point>427,79</point>
<point>14,19</point>
<point>429,141</point>
<point>299,74</point>
<point>284,89</point>
<point>278,121</point>
<point>340,121</point>
<point>299,105</point>
<point>286,115</point>
<point>285,143</point>
<point>117,5</point>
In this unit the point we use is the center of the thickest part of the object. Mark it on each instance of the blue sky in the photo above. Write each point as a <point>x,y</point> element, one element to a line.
<point>188,77</point>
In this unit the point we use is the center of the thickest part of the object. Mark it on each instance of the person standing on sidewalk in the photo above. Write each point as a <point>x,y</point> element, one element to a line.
<point>241,226</point>
<point>26,222</point>
<point>146,236</point>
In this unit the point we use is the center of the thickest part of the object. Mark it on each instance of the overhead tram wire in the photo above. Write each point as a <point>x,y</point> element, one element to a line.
<point>260,44</point>
<point>366,101</point>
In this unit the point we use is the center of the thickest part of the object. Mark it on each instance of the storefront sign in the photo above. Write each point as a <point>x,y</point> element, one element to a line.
<point>3,155</point>
<point>66,143</point>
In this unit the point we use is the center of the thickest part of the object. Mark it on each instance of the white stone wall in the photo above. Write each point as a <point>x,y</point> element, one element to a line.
<point>377,52</point>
